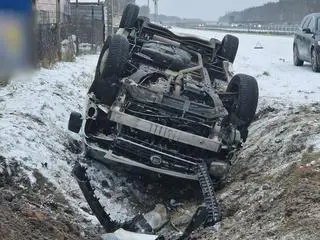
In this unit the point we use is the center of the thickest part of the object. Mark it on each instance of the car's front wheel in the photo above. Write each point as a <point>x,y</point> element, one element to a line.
<point>115,58</point>
<point>243,108</point>
<point>296,59</point>
<point>129,16</point>
<point>315,61</point>
<point>229,47</point>
<point>111,67</point>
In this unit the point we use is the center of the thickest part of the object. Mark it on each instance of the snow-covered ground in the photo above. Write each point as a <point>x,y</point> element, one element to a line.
<point>35,110</point>
<point>34,114</point>
<point>279,80</point>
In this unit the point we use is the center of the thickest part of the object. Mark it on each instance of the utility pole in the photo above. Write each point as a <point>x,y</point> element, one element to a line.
<point>156,13</point>
<point>109,7</point>
<point>58,29</point>
<point>103,22</point>
<point>92,28</point>
<point>77,27</point>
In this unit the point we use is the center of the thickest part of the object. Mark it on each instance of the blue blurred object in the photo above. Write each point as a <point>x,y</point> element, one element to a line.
<point>23,6</point>
<point>15,44</point>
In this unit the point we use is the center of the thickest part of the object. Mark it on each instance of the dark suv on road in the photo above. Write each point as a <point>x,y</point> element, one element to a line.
<point>306,46</point>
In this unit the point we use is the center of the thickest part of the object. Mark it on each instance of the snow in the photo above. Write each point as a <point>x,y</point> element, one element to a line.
<point>35,109</point>
<point>280,82</point>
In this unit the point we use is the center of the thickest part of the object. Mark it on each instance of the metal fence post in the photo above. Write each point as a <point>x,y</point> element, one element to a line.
<point>77,27</point>
<point>104,24</point>
<point>109,4</point>
<point>58,11</point>
<point>92,28</point>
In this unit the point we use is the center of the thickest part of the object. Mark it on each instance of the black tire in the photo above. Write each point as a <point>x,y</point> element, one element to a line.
<point>115,57</point>
<point>245,104</point>
<point>229,47</point>
<point>111,64</point>
<point>75,122</point>
<point>296,59</point>
<point>96,84</point>
<point>315,61</point>
<point>129,16</point>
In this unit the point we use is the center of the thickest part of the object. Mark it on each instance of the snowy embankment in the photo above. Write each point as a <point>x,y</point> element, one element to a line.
<point>33,124</point>
<point>35,109</point>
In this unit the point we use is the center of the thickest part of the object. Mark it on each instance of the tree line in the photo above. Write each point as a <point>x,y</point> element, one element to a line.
<point>284,11</point>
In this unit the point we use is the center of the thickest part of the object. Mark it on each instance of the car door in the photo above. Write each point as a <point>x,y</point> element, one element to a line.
<point>305,36</point>
<point>299,36</point>
<point>309,39</point>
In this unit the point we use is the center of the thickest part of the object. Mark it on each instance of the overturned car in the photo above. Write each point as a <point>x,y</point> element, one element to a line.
<point>167,103</point>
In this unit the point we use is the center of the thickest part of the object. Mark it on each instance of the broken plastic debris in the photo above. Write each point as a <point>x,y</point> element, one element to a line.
<point>122,234</point>
<point>157,217</point>
<point>151,221</point>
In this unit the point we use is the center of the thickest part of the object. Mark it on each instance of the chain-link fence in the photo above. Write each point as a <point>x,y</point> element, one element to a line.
<point>88,25</point>
<point>80,32</point>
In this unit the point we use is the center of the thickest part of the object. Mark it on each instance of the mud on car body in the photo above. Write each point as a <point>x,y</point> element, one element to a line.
<point>167,103</point>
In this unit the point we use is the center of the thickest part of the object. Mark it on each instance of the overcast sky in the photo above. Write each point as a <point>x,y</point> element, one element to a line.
<point>204,9</point>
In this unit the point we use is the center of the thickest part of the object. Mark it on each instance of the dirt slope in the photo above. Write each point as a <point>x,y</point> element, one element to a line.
<point>36,211</point>
<point>273,191</point>
<point>275,181</point>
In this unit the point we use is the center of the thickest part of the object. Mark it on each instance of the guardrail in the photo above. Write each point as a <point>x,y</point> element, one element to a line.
<point>271,30</point>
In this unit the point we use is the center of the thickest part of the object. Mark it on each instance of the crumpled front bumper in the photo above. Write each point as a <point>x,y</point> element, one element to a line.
<point>122,149</point>
<point>108,156</point>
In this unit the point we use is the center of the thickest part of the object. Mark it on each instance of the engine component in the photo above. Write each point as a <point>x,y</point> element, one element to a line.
<point>231,136</point>
<point>177,86</point>
<point>218,169</point>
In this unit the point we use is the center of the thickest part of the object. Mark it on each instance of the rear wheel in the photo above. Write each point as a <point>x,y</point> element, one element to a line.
<point>229,47</point>
<point>296,59</point>
<point>243,109</point>
<point>315,61</point>
<point>112,65</point>
<point>115,58</point>
<point>129,16</point>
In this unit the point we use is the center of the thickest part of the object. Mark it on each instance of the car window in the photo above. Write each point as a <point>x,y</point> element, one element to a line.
<point>306,23</point>
<point>303,21</point>
<point>312,25</point>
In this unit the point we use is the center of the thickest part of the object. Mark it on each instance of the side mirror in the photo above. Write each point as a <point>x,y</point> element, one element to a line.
<point>307,30</point>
